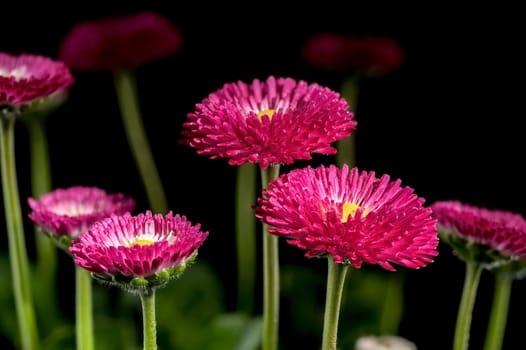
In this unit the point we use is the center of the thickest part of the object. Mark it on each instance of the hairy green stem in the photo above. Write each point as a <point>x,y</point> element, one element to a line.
<point>346,148</point>
<point>84,309</point>
<point>499,310</point>
<point>18,258</point>
<point>126,88</point>
<point>246,236</point>
<point>271,280</point>
<point>149,322</point>
<point>467,301</point>
<point>335,282</point>
<point>46,250</point>
<point>393,304</point>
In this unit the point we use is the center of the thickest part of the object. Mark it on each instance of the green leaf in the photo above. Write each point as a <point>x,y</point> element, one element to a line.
<point>233,332</point>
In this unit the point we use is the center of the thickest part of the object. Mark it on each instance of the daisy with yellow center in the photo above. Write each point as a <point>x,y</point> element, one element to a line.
<point>364,219</point>
<point>124,250</point>
<point>234,122</point>
<point>139,254</point>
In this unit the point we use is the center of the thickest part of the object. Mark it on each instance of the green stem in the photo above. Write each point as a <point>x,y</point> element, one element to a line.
<point>46,250</point>
<point>19,260</point>
<point>335,282</point>
<point>149,323</point>
<point>347,147</point>
<point>84,309</point>
<point>126,88</point>
<point>246,236</point>
<point>392,307</point>
<point>270,275</point>
<point>499,311</point>
<point>465,311</point>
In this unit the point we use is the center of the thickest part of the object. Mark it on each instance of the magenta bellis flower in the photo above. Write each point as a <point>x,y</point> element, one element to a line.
<point>275,121</point>
<point>354,217</point>
<point>138,252</point>
<point>27,78</point>
<point>67,212</point>
<point>489,236</point>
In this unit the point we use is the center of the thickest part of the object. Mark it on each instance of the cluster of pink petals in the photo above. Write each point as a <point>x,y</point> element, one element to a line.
<point>109,247</point>
<point>390,225</point>
<point>25,78</point>
<point>368,55</point>
<point>125,41</point>
<point>503,231</point>
<point>232,122</point>
<point>71,211</point>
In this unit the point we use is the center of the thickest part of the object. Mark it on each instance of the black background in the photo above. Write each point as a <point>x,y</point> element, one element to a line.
<point>448,122</point>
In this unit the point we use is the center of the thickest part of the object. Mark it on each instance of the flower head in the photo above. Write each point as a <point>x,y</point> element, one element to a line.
<point>28,78</point>
<point>272,121</point>
<point>125,41</point>
<point>138,252</point>
<point>368,55</point>
<point>65,213</point>
<point>490,236</point>
<point>352,216</point>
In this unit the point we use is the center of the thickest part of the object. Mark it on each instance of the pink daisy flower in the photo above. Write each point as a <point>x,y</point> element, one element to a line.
<point>368,55</point>
<point>479,234</point>
<point>136,252</point>
<point>125,41</point>
<point>352,216</point>
<point>65,213</point>
<point>268,122</point>
<point>28,78</point>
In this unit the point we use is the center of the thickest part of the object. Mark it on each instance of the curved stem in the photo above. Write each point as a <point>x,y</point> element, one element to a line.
<point>465,311</point>
<point>148,320</point>
<point>246,236</point>
<point>335,282</point>
<point>347,147</point>
<point>46,250</point>
<point>499,311</point>
<point>270,275</point>
<point>393,304</point>
<point>15,232</point>
<point>84,310</point>
<point>126,89</point>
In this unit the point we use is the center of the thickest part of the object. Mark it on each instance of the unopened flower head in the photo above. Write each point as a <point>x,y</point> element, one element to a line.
<point>489,236</point>
<point>27,79</point>
<point>138,253</point>
<point>366,55</point>
<point>275,121</point>
<point>67,212</point>
<point>352,216</point>
<point>125,41</point>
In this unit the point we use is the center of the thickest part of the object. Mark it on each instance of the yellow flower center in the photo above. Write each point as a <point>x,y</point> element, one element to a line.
<point>348,209</point>
<point>268,112</point>
<point>142,242</point>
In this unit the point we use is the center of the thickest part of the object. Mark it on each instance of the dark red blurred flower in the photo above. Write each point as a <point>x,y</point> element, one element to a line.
<point>120,42</point>
<point>368,55</point>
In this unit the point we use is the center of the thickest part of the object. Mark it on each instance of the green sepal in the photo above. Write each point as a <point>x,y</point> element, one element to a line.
<point>468,250</point>
<point>139,282</point>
